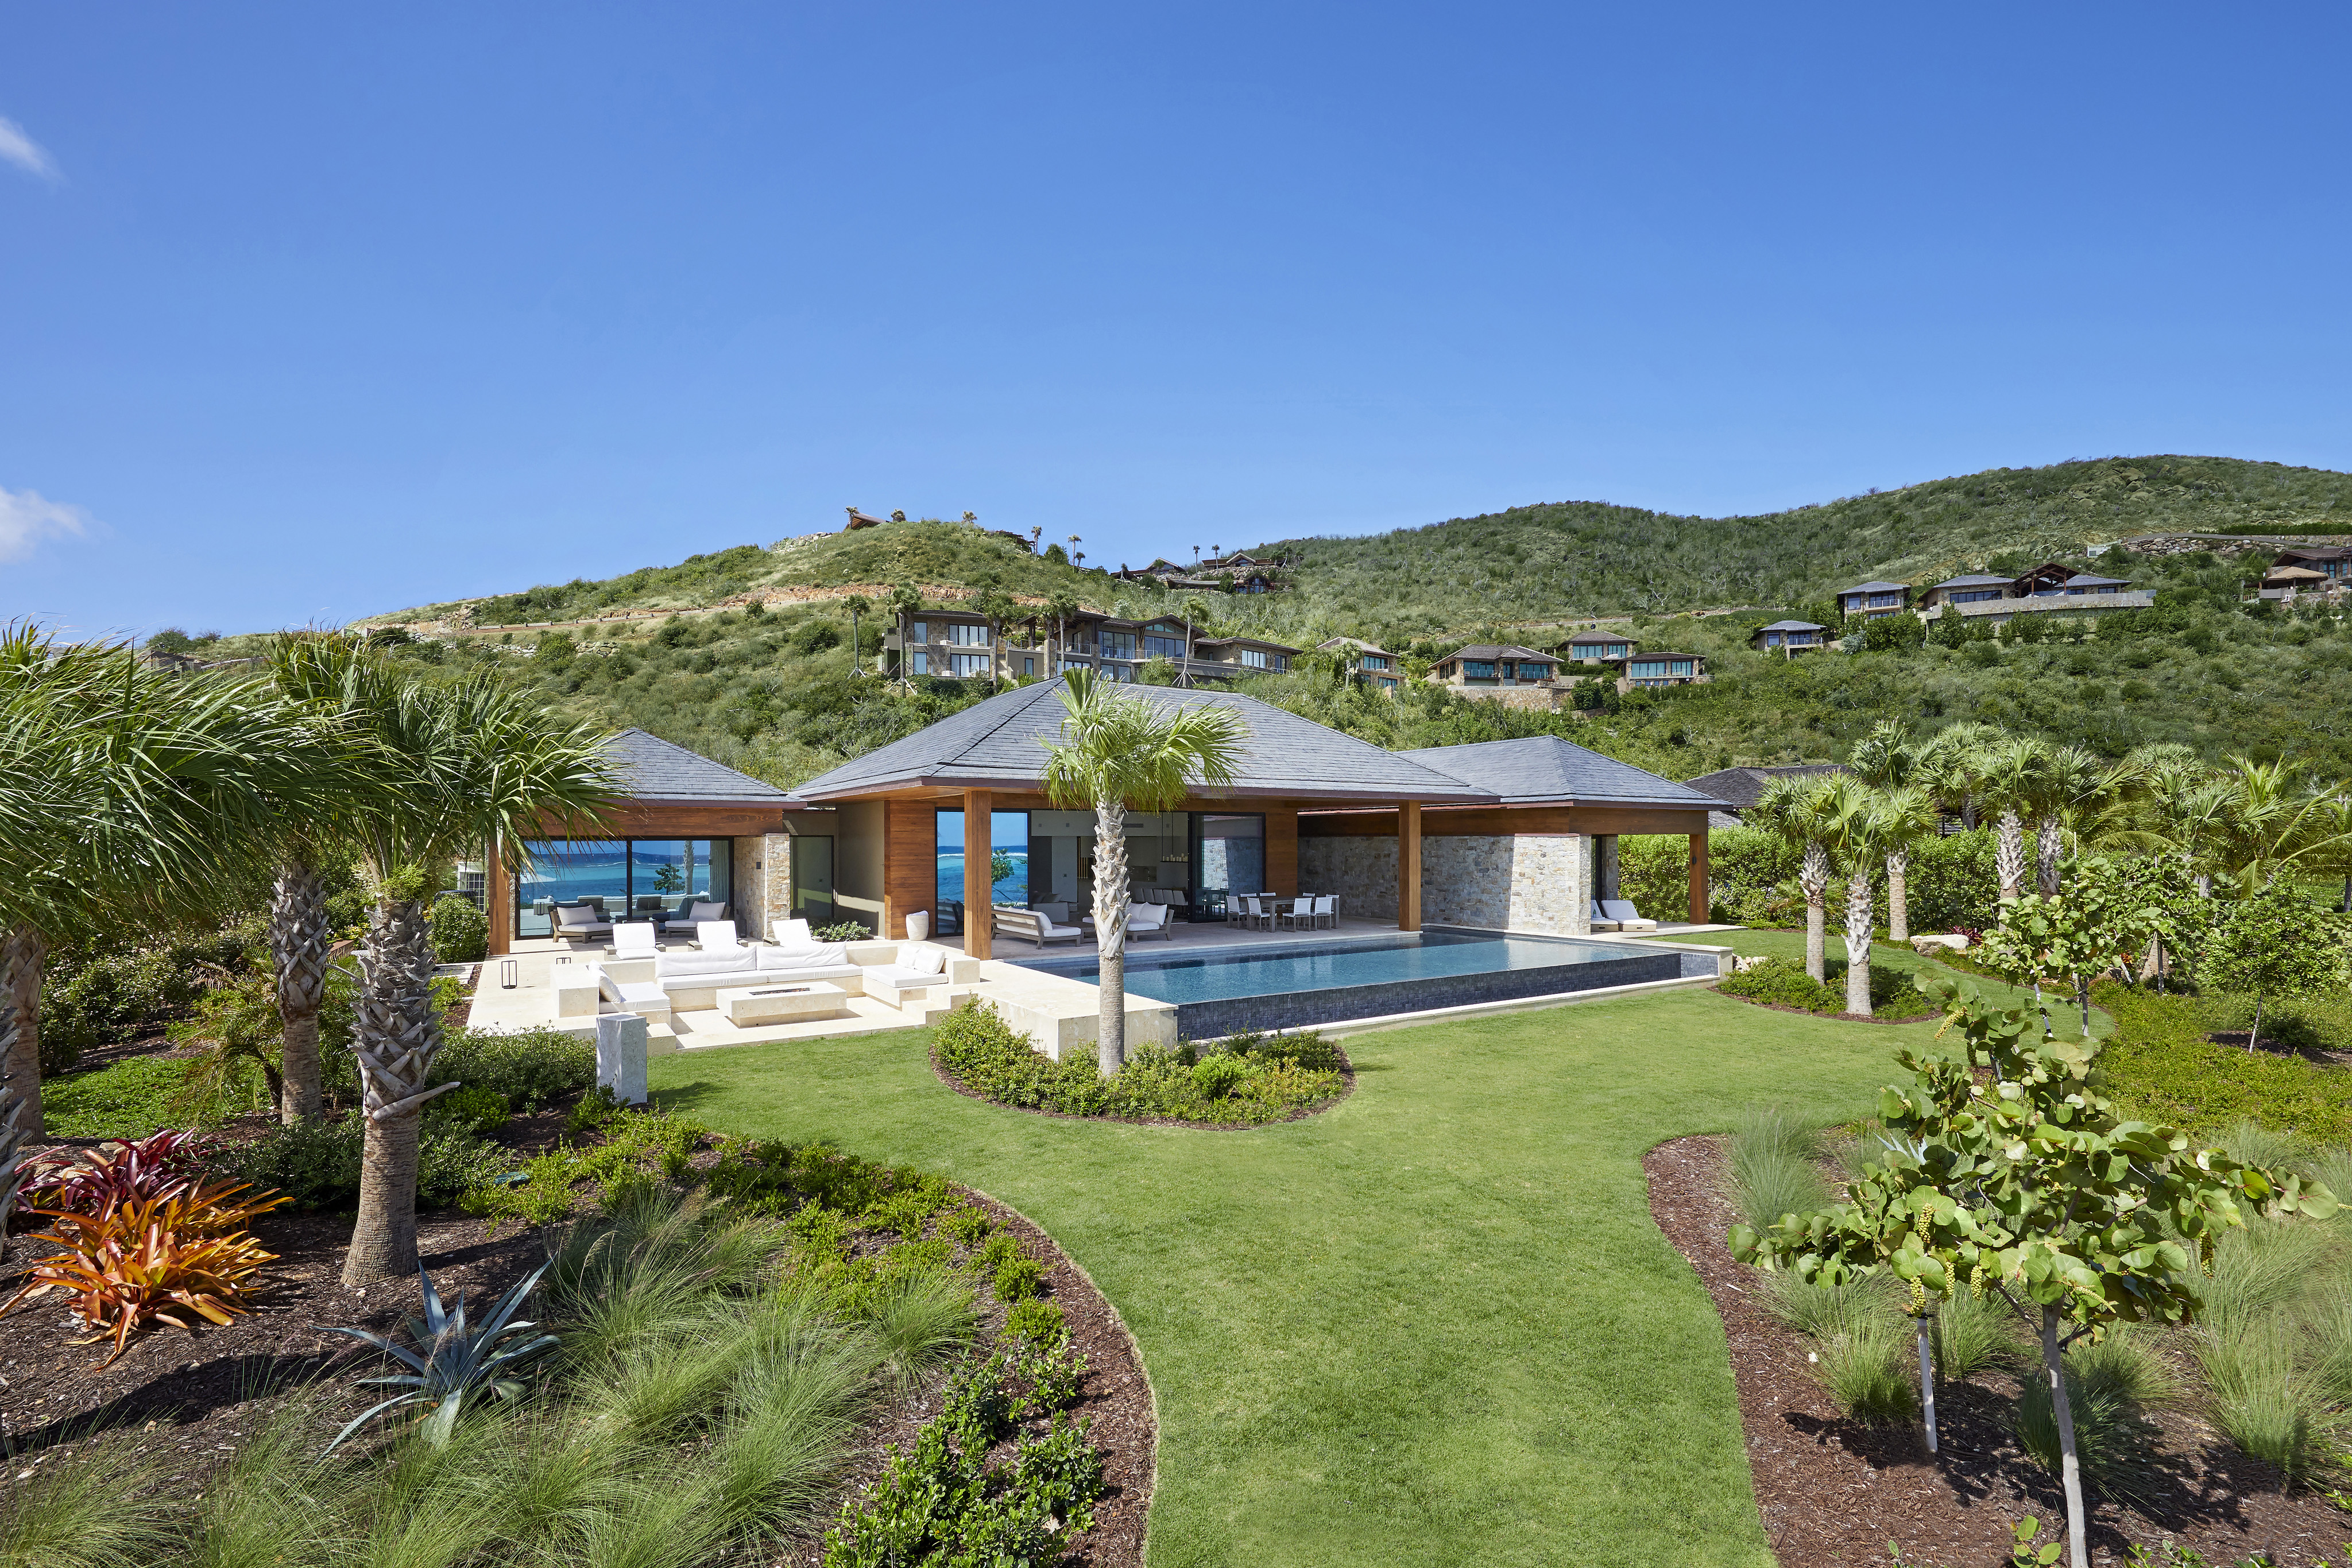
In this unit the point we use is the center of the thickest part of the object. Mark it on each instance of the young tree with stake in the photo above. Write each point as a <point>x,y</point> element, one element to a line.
<point>2030,1188</point>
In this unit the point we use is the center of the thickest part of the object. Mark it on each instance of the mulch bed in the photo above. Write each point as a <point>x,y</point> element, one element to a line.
<point>200,1394</point>
<point>1346,1087</point>
<point>1835,1492</point>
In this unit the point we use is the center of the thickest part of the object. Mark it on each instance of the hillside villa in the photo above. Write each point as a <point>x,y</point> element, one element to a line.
<point>2324,570</point>
<point>1483,669</point>
<point>2053,588</point>
<point>1788,638</point>
<point>964,644</point>
<point>1370,663</point>
<point>1873,600</point>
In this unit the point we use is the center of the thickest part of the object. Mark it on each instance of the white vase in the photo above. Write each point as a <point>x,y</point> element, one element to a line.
<point>918,924</point>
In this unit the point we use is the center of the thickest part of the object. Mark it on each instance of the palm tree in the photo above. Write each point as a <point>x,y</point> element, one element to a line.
<point>2275,824</point>
<point>2012,782</point>
<point>1118,753</point>
<point>1888,759</point>
<point>1060,605</point>
<point>131,801</point>
<point>1857,828</point>
<point>856,604</point>
<point>2331,851</point>
<point>905,600</point>
<point>1790,811</point>
<point>1951,766</point>
<point>2073,784</point>
<point>476,763</point>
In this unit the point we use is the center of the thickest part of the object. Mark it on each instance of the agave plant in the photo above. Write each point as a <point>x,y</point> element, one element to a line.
<point>452,1362</point>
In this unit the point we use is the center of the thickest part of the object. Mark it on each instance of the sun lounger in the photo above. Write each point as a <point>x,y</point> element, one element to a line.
<point>1627,917</point>
<point>636,939</point>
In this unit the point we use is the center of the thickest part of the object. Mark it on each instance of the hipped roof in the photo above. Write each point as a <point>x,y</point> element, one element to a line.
<point>1544,769</point>
<point>999,744</point>
<point>651,768</point>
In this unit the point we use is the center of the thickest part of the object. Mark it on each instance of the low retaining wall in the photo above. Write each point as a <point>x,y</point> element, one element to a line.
<point>1304,1010</point>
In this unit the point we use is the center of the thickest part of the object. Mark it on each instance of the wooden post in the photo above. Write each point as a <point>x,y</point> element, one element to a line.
<point>1409,866</point>
<point>498,899</point>
<point>1698,909</point>
<point>978,887</point>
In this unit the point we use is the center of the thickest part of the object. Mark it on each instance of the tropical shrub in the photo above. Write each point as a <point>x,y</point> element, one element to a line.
<point>1017,1279</point>
<point>96,1182</point>
<point>167,1260</point>
<point>1782,982</point>
<point>1039,1321</point>
<point>1251,1079</point>
<point>461,932</point>
<point>315,1164</point>
<point>529,1067</point>
<point>480,1112</point>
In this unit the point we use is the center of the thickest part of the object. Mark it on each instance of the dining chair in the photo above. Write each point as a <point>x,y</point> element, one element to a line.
<point>1326,909</point>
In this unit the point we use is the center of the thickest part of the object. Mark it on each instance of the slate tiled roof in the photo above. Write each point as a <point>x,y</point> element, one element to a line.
<point>1741,788</point>
<point>1793,626</point>
<point>652,770</point>
<point>1491,651</point>
<point>999,744</point>
<point>1976,580</point>
<point>1874,588</point>
<point>1544,767</point>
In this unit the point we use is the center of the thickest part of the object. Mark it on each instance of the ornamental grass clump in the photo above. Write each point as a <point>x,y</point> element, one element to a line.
<point>2029,1186</point>
<point>1772,1168</point>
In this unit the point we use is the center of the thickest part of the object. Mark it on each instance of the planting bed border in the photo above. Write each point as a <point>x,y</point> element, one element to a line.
<point>1347,1088</point>
<point>1809,1013</point>
<point>1833,1491</point>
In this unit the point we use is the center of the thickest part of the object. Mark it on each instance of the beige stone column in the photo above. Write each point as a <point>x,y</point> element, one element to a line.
<point>1579,886</point>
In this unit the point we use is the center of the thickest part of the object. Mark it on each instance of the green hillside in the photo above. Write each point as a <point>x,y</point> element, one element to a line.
<point>742,654</point>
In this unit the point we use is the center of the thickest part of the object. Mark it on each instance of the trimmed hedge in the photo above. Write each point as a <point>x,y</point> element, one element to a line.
<point>1782,982</point>
<point>1250,1077</point>
<point>1751,880</point>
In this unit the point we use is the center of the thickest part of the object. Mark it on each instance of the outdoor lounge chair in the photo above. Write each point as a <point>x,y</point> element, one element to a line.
<point>1145,920</point>
<point>715,936</point>
<point>1627,917</point>
<point>637,939</point>
<point>645,998</point>
<point>580,923</point>
<point>1032,925</point>
<point>1601,921</point>
<point>697,911</point>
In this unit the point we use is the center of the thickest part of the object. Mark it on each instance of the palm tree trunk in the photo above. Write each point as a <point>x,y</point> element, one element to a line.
<point>2008,854</point>
<point>2070,1467</point>
<point>1857,943</point>
<point>396,1038</point>
<point>1899,894</point>
<point>2254,1035</point>
<point>1813,878</point>
<point>298,943</point>
<point>2049,844</point>
<point>24,954</point>
<point>1110,935</point>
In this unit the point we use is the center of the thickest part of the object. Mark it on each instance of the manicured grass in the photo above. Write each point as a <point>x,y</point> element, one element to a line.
<point>1790,944</point>
<point>1435,1324</point>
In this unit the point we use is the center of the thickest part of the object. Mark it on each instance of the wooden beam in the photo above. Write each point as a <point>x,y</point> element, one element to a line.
<point>1407,837</point>
<point>1282,850</point>
<point>979,847</point>
<point>910,864</point>
<point>498,900</point>
<point>1698,909</point>
<point>1496,821</point>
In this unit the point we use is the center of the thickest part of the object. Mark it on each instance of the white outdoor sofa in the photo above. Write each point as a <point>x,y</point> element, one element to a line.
<point>683,980</point>
<point>1033,926</point>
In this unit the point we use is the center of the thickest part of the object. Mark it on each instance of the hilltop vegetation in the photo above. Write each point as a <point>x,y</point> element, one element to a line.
<point>767,687</point>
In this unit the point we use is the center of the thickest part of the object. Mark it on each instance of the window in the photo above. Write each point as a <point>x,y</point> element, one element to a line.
<point>1647,668</point>
<point>969,663</point>
<point>964,634</point>
<point>1117,673</point>
<point>1477,669</point>
<point>1163,647</point>
<point>1877,600</point>
<point>1974,595</point>
<point>1253,657</point>
<point>1534,672</point>
<point>1389,682</point>
<point>918,632</point>
<point>918,663</point>
<point>1619,649</point>
<point>1069,664</point>
<point>1028,666</point>
<point>623,877</point>
<point>1118,644</point>
<point>1374,662</point>
<point>1771,639</point>
<point>1682,666</point>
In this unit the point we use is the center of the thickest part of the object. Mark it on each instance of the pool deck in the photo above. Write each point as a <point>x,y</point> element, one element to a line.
<point>1057,1012</point>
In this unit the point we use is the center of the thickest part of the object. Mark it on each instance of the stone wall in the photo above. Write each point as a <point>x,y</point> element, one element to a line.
<point>1512,882</point>
<point>763,885</point>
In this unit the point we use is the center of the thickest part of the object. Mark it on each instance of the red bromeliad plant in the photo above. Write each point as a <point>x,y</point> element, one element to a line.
<point>98,1181</point>
<point>164,1258</point>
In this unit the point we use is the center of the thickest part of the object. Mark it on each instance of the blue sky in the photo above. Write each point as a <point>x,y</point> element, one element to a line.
<point>311,311</point>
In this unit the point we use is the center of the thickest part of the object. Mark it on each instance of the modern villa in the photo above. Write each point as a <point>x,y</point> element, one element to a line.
<point>964,644</point>
<point>1366,662</point>
<point>1873,600</point>
<point>2053,588</point>
<point>1485,669</point>
<point>1788,638</point>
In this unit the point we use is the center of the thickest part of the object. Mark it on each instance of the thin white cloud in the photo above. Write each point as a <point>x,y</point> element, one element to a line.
<point>27,518</point>
<point>21,149</point>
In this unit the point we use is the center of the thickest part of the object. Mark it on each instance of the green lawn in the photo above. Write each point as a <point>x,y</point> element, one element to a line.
<point>1434,1325</point>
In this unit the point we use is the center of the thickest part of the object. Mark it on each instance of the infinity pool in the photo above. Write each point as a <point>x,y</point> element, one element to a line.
<point>1289,984</point>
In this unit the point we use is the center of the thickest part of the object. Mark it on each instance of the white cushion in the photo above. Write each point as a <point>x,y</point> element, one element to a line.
<point>816,956</point>
<point>704,909</point>
<point>722,961</point>
<point>1146,916</point>
<point>792,933</point>
<point>1057,912</point>
<point>921,958</point>
<point>717,934</point>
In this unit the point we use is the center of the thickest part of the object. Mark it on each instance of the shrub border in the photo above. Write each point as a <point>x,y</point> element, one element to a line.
<point>1809,1013</point>
<point>1347,1089</point>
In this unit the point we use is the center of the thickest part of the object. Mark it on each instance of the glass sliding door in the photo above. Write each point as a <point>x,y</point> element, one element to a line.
<point>813,878</point>
<point>622,878</point>
<point>1230,859</point>
<point>1008,851</point>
